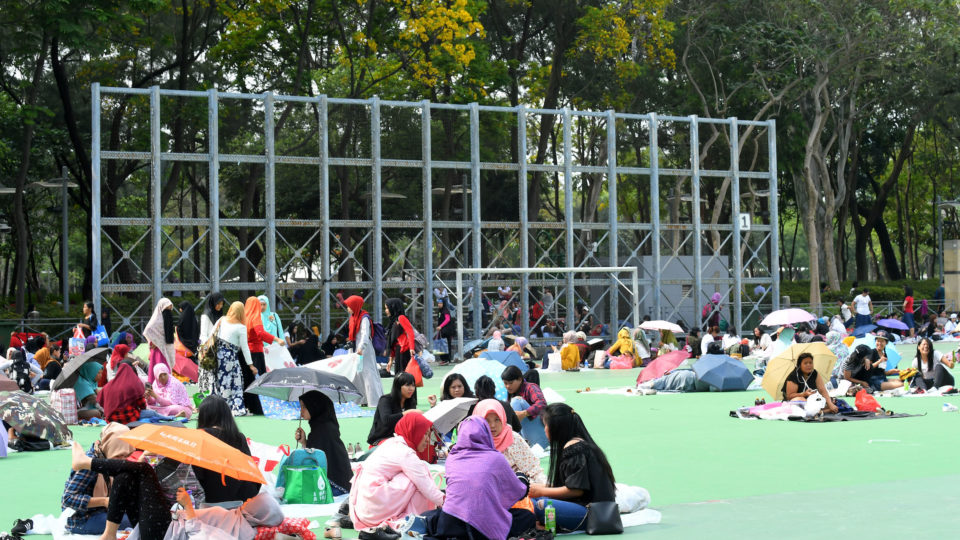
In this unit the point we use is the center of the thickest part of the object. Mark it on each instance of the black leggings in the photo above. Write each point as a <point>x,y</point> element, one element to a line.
<point>252,401</point>
<point>941,377</point>
<point>135,492</point>
<point>400,363</point>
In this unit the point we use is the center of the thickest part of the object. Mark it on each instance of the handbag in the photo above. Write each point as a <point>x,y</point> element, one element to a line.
<point>413,368</point>
<point>101,334</point>
<point>208,351</point>
<point>604,518</point>
<point>65,402</point>
<point>77,343</point>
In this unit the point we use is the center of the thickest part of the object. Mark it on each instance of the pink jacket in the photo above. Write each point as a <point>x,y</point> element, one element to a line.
<point>390,484</point>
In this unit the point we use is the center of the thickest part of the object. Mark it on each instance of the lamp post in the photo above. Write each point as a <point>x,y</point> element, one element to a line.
<point>64,183</point>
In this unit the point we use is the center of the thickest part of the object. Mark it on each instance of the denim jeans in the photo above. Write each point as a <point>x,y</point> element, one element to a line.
<point>531,428</point>
<point>570,516</point>
<point>97,522</point>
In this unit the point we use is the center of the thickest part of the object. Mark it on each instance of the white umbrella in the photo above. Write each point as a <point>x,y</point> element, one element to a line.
<point>449,412</point>
<point>661,325</point>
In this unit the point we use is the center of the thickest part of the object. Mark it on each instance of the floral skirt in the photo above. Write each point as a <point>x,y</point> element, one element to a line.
<point>228,383</point>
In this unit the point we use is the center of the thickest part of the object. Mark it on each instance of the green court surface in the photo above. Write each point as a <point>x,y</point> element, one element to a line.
<point>709,475</point>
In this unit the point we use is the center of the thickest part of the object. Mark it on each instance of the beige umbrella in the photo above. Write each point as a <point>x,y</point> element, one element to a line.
<point>780,366</point>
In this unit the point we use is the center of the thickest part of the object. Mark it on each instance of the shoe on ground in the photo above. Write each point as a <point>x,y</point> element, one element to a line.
<point>21,527</point>
<point>379,533</point>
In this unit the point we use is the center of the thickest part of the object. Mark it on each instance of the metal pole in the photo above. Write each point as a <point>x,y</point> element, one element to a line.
<point>655,212</point>
<point>213,134</point>
<point>737,267</point>
<point>96,269</point>
<point>524,215</point>
<point>697,226</point>
<point>774,215</point>
<point>568,217</point>
<point>613,240</point>
<point>427,151</point>
<point>156,274</point>
<point>270,200</point>
<point>377,309</point>
<point>64,240</point>
<point>475,210</point>
<point>636,293</point>
<point>460,313</point>
<point>324,215</point>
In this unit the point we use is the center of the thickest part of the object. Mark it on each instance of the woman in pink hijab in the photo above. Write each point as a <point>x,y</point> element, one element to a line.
<point>169,396</point>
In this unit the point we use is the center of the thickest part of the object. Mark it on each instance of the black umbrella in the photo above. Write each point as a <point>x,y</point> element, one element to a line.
<point>71,371</point>
<point>288,384</point>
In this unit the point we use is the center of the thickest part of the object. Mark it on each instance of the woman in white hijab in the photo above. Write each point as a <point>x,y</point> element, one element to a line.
<point>159,333</point>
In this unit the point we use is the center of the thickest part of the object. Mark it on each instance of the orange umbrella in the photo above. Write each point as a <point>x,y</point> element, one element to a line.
<point>194,447</point>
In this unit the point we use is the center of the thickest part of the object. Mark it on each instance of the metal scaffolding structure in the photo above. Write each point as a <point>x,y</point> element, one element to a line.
<point>411,252</point>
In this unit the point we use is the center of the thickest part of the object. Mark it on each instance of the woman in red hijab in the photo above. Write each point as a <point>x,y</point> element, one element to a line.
<point>360,326</point>
<point>256,337</point>
<point>122,398</point>
<point>394,481</point>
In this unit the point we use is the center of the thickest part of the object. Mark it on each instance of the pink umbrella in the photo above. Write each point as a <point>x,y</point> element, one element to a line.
<point>783,317</point>
<point>663,364</point>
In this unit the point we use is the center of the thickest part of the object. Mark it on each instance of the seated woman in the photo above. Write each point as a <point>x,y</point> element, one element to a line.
<point>481,489</point>
<point>579,471</point>
<point>454,386</point>
<point>865,367</point>
<point>20,370</point>
<point>496,342</point>
<point>519,347</point>
<point>168,395</point>
<point>394,481</point>
<point>317,409</point>
<point>86,390</point>
<point>622,349</point>
<point>804,381</point>
<point>214,417</point>
<point>484,389</point>
<point>761,344</point>
<point>508,443</point>
<point>569,352</point>
<point>48,358</point>
<point>527,399</point>
<point>668,342</point>
<point>124,398</point>
<point>304,345</point>
<point>86,492</point>
<point>931,366</point>
<point>400,402</point>
<point>135,492</point>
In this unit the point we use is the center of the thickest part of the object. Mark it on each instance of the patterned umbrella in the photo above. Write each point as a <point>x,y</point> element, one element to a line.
<point>33,416</point>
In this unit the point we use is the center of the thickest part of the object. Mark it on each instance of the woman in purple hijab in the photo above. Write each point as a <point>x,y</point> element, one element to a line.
<point>481,489</point>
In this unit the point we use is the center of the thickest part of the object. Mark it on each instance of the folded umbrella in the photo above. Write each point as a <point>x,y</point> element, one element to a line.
<point>194,447</point>
<point>31,415</point>
<point>723,372</point>
<point>783,317</point>
<point>507,358</point>
<point>71,371</point>
<point>449,412</point>
<point>780,366</point>
<point>662,364</point>
<point>661,325</point>
<point>892,324</point>
<point>289,384</point>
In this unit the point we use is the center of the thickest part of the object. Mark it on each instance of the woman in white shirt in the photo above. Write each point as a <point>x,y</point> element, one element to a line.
<point>761,343</point>
<point>231,335</point>
<point>212,311</point>
<point>932,367</point>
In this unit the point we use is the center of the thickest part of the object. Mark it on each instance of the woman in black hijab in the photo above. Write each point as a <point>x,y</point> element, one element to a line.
<point>317,409</point>
<point>305,347</point>
<point>188,329</point>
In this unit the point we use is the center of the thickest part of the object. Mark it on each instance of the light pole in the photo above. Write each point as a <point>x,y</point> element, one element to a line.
<point>64,183</point>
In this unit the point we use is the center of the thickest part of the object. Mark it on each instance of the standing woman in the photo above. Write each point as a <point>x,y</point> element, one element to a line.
<point>579,471</point>
<point>159,333</point>
<point>361,334</point>
<point>256,333</point>
<point>908,310</point>
<point>400,336</point>
<point>212,311</point>
<point>446,325</point>
<point>188,330</point>
<point>271,321</point>
<point>233,374</point>
<point>89,321</point>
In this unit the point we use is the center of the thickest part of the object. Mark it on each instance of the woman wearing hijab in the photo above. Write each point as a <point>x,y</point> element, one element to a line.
<point>361,331</point>
<point>212,312</point>
<point>569,352</point>
<point>509,443</point>
<point>400,336</point>
<point>496,342</point>
<point>86,390</point>
<point>481,488</point>
<point>317,409</point>
<point>305,347</point>
<point>394,481</point>
<point>47,365</point>
<point>271,321</point>
<point>233,373</point>
<point>624,346</point>
<point>256,337</point>
<point>160,333</point>
<point>168,396</point>
<point>188,329</point>
<point>123,398</point>
<point>334,341</point>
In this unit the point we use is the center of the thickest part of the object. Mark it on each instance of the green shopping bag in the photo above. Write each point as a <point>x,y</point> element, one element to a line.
<point>306,486</point>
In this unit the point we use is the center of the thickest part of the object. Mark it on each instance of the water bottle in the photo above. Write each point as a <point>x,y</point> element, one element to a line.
<point>550,518</point>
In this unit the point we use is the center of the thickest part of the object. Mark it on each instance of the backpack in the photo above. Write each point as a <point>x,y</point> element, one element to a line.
<point>377,336</point>
<point>21,372</point>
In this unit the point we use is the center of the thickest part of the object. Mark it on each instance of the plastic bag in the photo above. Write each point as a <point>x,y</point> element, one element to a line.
<point>815,403</point>
<point>77,343</point>
<point>277,357</point>
<point>631,498</point>
<point>413,368</point>
<point>65,402</point>
<point>866,402</point>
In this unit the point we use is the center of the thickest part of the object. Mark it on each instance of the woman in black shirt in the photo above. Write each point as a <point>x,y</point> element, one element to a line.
<point>215,418</point>
<point>579,471</point>
<point>804,381</point>
<point>318,410</point>
<point>401,400</point>
<point>88,324</point>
